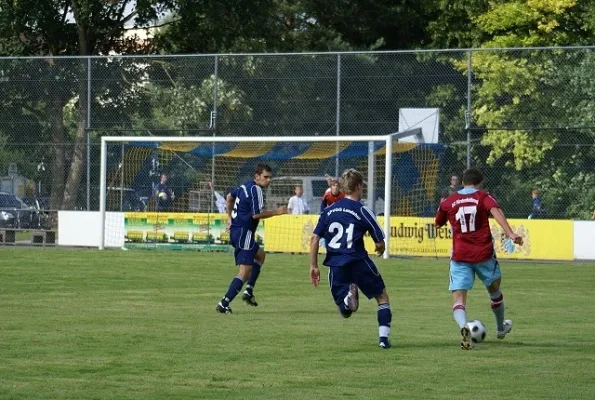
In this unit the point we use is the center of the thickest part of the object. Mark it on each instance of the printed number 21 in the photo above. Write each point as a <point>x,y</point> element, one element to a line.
<point>338,228</point>
<point>461,217</point>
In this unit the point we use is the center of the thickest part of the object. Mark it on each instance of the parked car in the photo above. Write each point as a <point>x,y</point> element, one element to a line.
<point>15,213</point>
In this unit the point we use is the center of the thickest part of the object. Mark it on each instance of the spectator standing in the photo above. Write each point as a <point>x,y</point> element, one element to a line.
<point>297,205</point>
<point>455,186</point>
<point>538,210</point>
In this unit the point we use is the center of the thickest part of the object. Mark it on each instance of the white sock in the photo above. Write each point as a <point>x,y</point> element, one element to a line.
<point>383,331</point>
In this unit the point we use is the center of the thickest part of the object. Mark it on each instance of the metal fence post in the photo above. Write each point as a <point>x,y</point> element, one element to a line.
<point>468,117</point>
<point>88,133</point>
<point>213,125</point>
<point>338,114</point>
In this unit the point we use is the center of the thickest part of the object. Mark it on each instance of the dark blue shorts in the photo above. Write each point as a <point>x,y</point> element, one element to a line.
<point>244,244</point>
<point>362,272</point>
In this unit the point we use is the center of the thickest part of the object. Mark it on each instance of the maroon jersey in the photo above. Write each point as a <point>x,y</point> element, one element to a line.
<point>329,198</point>
<point>468,216</point>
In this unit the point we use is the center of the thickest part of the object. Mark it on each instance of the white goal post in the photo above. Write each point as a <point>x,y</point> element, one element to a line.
<point>386,139</point>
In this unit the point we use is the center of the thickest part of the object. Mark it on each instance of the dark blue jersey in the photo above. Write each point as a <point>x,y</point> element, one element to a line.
<point>343,226</point>
<point>538,210</point>
<point>249,201</point>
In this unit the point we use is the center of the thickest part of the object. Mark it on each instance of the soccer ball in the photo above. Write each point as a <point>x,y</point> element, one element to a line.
<point>163,195</point>
<point>478,330</point>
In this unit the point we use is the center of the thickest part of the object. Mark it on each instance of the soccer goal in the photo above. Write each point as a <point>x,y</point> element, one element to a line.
<point>168,192</point>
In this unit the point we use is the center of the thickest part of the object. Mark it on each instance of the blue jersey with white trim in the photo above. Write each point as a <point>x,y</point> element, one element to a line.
<point>343,226</point>
<point>249,201</point>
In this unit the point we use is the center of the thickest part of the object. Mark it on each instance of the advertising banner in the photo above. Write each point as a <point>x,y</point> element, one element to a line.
<point>179,231</point>
<point>410,236</point>
<point>413,236</point>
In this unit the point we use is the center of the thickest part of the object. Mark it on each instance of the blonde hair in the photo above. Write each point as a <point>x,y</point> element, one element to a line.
<point>351,179</point>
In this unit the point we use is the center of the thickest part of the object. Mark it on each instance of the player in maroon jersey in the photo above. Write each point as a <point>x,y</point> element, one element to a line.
<point>473,249</point>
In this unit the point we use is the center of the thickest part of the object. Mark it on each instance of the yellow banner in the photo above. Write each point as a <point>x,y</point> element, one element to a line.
<point>412,236</point>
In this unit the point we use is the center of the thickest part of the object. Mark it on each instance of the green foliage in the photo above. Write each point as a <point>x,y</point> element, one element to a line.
<point>17,155</point>
<point>519,96</point>
<point>188,106</point>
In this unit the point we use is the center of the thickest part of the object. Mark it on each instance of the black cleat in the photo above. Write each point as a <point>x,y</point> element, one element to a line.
<point>223,310</point>
<point>384,343</point>
<point>466,343</point>
<point>249,299</point>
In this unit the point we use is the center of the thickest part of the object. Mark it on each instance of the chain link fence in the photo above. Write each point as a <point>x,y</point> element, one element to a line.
<point>524,116</point>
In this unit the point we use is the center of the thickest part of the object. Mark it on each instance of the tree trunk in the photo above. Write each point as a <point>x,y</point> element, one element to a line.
<point>55,115</point>
<point>77,165</point>
<point>78,155</point>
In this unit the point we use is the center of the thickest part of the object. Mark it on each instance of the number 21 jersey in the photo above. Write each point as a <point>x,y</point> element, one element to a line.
<point>467,211</point>
<point>343,226</point>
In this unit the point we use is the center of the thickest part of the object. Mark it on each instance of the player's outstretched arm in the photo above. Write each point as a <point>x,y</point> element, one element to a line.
<point>314,271</point>
<point>503,222</point>
<point>272,213</point>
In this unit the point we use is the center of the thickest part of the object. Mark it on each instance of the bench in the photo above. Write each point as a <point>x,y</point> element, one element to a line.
<point>7,236</point>
<point>38,237</point>
<point>43,237</point>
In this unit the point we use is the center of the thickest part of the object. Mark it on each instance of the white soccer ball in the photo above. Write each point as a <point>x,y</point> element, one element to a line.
<point>163,195</point>
<point>478,330</point>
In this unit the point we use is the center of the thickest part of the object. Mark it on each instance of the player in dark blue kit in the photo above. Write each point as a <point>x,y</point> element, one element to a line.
<point>245,208</point>
<point>343,226</point>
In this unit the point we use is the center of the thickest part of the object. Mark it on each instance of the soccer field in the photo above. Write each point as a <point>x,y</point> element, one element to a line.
<point>83,324</point>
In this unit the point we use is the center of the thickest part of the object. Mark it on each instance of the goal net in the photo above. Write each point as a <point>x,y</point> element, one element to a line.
<point>168,192</point>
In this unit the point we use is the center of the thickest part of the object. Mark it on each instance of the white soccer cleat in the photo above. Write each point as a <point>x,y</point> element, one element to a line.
<point>507,329</point>
<point>353,298</point>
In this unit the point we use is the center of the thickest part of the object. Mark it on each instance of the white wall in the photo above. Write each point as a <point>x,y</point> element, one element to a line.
<point>81,228</point>
<point>584,240</point>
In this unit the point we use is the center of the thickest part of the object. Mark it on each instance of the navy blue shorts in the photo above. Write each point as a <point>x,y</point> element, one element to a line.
<point>362,272</point>
<point>244,244</point>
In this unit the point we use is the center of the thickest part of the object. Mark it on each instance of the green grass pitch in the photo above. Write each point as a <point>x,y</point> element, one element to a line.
<point>82,324</point>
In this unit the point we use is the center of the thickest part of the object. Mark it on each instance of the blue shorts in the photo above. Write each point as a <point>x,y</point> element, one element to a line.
<point>244,244</point>
<point>462,274</point>
<point>362,272</point>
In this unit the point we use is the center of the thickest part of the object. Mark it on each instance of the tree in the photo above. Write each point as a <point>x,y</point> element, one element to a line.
<point>520,97</point>
<point>45,86</point>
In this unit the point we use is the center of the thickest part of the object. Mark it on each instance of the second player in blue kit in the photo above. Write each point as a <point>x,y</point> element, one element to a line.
<point>245,208</point>
<point>343,226</point>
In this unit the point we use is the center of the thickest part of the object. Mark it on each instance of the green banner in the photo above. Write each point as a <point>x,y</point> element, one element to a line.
<point>179,231</point>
